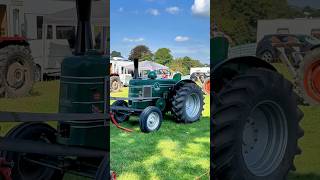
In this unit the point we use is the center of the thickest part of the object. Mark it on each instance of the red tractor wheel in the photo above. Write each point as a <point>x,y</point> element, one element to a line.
<point>206,86</point>
<point>309,77</point>
<point>16,71</point>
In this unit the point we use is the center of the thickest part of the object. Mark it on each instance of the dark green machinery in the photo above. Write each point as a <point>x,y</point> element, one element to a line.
<point>80,145</point>
<point>255,118</point>
<point>151,97</point>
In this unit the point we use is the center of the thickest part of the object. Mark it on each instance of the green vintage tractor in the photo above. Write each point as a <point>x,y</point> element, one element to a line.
<point>255,118</point>
<point>151,98</point>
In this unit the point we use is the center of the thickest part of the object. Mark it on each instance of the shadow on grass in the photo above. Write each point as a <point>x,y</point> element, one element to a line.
<point>298,176</point>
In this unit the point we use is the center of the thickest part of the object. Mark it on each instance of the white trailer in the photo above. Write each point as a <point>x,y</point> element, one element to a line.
<point>54,38</point>
<point>50,29</point>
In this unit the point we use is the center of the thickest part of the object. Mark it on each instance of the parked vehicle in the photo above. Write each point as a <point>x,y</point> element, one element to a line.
<point>201,75</point>
<point>49,37</point>
<point>268,52</point>
<point>119,74</point>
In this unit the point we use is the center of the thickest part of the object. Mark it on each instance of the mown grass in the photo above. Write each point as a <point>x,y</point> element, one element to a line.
<point>44,98</point>
<point>176,151</point>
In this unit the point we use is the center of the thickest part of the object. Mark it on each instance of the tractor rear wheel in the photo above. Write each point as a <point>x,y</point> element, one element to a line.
<point>24,168</point>
<point>17,69</point>
<point>308,78</point>
<point>121,116</point>
<point>255,128</point>
<point>115,83</point>
<point>187,104</point>
<point>150,119</point>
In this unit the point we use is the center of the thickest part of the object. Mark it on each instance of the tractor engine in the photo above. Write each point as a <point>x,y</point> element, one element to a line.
<point>151,97</point>
<point>157,91</point>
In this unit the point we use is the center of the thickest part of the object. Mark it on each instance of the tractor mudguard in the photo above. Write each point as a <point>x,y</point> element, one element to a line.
<point>7,41</point>
<point>249,61</point>
<point>181,83</point>
<point>227,69</point>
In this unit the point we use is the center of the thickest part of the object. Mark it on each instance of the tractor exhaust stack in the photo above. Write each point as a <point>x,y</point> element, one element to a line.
<point>84,34</point>
<point>136,68</point>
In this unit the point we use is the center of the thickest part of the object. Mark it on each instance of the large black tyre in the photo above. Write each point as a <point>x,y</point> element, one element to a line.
<point>308,77</point>
<point>24,169</point>
<point>255,128</point>
<point>37,73</point>
<point>150,119</point>
<point>187,104</point>
<point>120,116</point>
<point>17,70</point>
<point>115,83</point>
<point>103,171</point>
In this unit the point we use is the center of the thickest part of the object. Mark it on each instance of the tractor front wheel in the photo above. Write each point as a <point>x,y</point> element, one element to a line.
<point>24,168</point>
<point>255,128</point>
<point>150,119</point>
<point>187,105</point>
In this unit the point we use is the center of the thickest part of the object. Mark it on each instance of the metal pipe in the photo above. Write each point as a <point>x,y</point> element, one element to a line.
<point>84,33</point>
<point>34,147</point>
<point>136,68</point>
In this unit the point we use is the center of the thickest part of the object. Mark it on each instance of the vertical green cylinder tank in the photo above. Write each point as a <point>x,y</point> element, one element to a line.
<point>219,50</point>
<point>82,90</point>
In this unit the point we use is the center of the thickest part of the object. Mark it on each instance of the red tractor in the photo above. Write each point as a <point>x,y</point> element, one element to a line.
<point>16,63</point>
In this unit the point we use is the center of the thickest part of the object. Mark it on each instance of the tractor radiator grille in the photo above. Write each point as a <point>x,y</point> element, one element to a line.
<point>147,91</point>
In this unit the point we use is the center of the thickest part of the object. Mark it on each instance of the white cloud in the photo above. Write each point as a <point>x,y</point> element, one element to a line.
<point>153,12</point>
<point>133,39</point>
<point>201,7</point>
<point>173,10</point>
<point>182,38</point>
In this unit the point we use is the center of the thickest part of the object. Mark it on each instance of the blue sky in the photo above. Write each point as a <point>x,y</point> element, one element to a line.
<point>180,25</point>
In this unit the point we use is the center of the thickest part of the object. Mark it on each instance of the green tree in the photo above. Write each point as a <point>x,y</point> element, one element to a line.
<point>140,52</point>
<point>115,54</point>
<point>239,18</point>
<point>184,64</point>
<point>147,57</point>
<point>163,56</point>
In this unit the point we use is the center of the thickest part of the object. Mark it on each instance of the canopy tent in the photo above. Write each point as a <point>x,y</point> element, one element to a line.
<point>99,15</point>
<point>147,65</point>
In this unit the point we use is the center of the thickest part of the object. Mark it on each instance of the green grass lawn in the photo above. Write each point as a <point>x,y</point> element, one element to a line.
<point>44,98</point>
<point>176,151</point>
